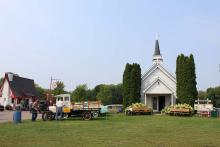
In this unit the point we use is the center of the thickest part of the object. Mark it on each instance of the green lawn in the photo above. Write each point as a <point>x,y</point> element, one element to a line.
<point>116,130</point>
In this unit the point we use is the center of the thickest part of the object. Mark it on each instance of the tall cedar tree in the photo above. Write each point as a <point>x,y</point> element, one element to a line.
<point>131,84</point>
<point>126,84</point>
<point>136,83</point>
<point>186,79</point>
<point>193,93</point>
<point>178,81</point>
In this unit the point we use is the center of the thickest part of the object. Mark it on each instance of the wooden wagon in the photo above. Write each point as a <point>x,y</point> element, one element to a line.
<point>180,111</point>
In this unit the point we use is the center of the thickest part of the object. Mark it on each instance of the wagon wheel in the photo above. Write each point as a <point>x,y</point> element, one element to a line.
<point>95,114</point>
<point>47,116</point>
<point>128,112</point>
<point>44,116</point>
<point>51,116</point>
<point>87,116</point>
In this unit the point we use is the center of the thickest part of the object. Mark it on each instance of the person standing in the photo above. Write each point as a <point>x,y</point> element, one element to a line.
<point>59,109</point>
<point>22,104</point>
<point>34,109</point>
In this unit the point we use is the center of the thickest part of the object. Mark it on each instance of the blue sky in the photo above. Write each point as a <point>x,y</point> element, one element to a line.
<point>90,41</point>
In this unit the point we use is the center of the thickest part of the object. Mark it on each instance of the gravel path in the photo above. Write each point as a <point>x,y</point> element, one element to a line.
<point>7,116</point>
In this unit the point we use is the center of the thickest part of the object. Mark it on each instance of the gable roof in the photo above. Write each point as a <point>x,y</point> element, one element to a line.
<point>151,85</point>
<point>21,87</point>
<point>155,67</point>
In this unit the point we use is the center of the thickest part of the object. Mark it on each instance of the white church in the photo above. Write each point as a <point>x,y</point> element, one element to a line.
<point>158,85</point>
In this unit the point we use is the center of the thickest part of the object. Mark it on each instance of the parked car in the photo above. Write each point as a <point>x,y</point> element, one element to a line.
<point>104,110</point>
<point>2,108</point>
<point>115,108</point>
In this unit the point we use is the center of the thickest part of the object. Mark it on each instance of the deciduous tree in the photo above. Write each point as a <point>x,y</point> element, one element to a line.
<point>79,94</point>
<point>59,88</point>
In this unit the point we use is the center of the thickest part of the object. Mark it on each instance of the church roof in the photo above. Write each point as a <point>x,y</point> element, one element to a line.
<point>158,80</point>
<point>160,67</point>
<point>157,48</point>
<point>154,86</point>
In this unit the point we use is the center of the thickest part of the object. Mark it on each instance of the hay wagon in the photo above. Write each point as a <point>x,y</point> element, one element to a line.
<point>180,111</point>
<point>138,109</point>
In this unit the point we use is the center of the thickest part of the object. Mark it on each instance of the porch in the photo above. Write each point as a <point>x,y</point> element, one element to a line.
<point>159,101</point>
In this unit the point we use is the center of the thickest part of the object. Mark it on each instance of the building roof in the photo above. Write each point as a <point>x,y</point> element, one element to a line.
<point>157,73</point>
<point>157,49</point>
<point>21,87</point>
<point>160,67</point>
<point>152,87</point>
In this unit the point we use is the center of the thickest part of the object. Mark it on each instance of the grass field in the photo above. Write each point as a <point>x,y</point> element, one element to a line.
<point>116,130</point>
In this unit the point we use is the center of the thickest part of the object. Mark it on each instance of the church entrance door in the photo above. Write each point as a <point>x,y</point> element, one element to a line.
<point>161,102</point>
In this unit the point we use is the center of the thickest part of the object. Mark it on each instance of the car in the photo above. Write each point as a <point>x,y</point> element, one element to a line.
<point>2,108</point>
<point>104,109</point>
<point>113,108</point>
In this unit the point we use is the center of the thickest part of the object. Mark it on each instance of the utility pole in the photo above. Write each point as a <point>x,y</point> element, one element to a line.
<point>50,95</point>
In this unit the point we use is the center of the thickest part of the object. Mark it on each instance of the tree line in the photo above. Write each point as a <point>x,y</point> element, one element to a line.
<point>107,94</point>
<point>125,93</point>
<point>212,93</point>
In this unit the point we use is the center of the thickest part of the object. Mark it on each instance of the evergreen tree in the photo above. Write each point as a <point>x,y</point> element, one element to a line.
<point>193,93</point>
<point>131,84</point>
<point>178,74</point>
<point>126,84</point>
<point>186,79</point>
<point>136,83</point>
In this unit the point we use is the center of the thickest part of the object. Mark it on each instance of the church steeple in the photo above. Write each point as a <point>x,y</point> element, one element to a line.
<point>157,48</point>
<point>157,57</point>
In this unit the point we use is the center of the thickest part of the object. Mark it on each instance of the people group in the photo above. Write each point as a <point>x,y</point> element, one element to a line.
<point>35,108</point>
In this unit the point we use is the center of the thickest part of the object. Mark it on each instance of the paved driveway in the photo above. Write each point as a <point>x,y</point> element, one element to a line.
<point>7,116</point>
